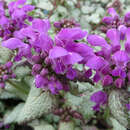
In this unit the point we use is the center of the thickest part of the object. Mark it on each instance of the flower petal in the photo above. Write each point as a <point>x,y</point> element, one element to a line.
<point>96,62</point>
<point>99,97</point>
<point>127,18</point>
<point>114,36</point>
<point>71,34</point>
<point>44,42</point>
<point>13,43</point>
<point>107,20</point>
<point>112,12</point>
<point>120,58</point>
<point>96,40</point>
<point>122,29</point>
<point>41,25</point>
<point>57,52</point>
<point>72,58</point>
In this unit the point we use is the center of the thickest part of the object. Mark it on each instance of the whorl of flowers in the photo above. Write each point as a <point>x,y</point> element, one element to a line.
<point>6,73</point>
<point>53,59</point>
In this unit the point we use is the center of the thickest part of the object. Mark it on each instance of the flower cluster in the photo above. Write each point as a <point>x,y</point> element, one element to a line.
<point>114,69</point>
<point>6,73</point>
<point>65,23</point>
<point>115,21</point>
<point>18,13</point>
<point>53,60</point>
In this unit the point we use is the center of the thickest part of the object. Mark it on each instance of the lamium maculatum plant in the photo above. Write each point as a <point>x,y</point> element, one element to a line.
<point>68,80</point>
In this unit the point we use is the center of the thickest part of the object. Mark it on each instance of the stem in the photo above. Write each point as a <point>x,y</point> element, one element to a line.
<point>18,87</point>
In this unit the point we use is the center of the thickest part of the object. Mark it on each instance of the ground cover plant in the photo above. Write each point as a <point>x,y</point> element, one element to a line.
<point>57,75</point>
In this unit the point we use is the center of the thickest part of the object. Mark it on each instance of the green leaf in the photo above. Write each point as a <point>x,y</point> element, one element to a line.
<point>41,125</point>
<point>117,125</point>
<point>73,101</point>
<point>90,128</point>
<point>66,126</point>
<point>7,95</point>
<point>80,103</point>
<point>115,102</point>
<point>44,127</point>
<point>5,54</point>
<point>37,104</point>
<point>11,92</point>
<point>22,71</point>
<point>12,117</point>
<point>77,128</point>
<point>45,5</point>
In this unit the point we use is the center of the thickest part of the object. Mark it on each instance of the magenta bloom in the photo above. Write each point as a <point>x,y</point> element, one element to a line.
<point>14,43</point>
<point>107,80</point>
<point>6,73</point>
<point>67,51</point>
<point>111,59</point>
<point>18,13</point>
<point>116,22</point>
<point>128,106</point>
<point>100,98</point>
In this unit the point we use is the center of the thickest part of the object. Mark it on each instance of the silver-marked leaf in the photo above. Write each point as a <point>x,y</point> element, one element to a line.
<point>117,125</point>
<point>44,127</point>
<point>40,125</point>
<point>12,117</point>
<point>14,92</point>
<point>5,54</point>
<point>80,103</point>
<point>117,100</point>
<point>90,128</point>
<point>37,104</point>
<point>66,125</point>
<point>22,71</point>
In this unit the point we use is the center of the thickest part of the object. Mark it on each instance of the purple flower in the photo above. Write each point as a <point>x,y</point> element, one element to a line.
<point>128,106</point>
<point>97,77</point>
<point>120,58</point>
<point>15,43</point>
<point>36,69</point>
<point>67,51</point>
<point>41,82</point>
<point>18,13</point>
<point>96,40</point>
<point>122,29</point>
<point>114,36</point>
<point>55,86</point>
<point>112,12</point>
<point>100,98</point>
<point>2,84</point>
<point>112,58</point>
<point>127,18</point>
<point>71,73</point>
<point>88,73</point>
<point>127,44</point>
<point>57,52</point>
<point>107,80</point>
<point>36,59</point>
<point>118,72</point>
<point>68,35</point>
<point>119,82</point>
<point>41,25</point>
<point>107,20</point>
<point>96,62</point>
<point>6,73</point>
<point>115,22</point>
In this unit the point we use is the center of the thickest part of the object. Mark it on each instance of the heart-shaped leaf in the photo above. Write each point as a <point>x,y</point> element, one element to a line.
<point>37,104</point>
